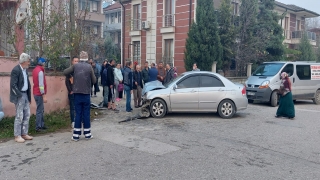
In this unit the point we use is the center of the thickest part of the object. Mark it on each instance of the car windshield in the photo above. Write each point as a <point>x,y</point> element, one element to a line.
<point>170,82</point>
<point>268,69</point>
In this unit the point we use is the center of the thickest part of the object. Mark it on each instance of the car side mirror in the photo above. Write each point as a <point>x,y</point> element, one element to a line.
<point>175,87</point>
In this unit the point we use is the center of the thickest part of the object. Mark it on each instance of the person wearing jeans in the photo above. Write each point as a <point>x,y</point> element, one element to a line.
<point>128,84</point>
<point>39,93</point>
<point>83,77</point>
<point>69,82</point>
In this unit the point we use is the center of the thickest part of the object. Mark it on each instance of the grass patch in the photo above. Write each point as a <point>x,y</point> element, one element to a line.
<point>55,121</point>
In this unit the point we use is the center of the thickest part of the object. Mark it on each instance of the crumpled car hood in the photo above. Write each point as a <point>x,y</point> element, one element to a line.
<point>153,85</point>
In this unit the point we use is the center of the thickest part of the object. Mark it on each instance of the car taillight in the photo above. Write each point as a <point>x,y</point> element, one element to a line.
<point>244,91</point>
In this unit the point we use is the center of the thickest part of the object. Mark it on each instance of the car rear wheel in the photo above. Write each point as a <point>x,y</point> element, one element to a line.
<point>316,99</point>
<point>226,109</point>
<point>158,108</point>
<point>274,99</point>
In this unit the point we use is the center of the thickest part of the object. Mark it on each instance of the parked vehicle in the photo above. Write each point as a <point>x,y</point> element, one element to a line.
<point>195,91</point>
<point>264,83</point>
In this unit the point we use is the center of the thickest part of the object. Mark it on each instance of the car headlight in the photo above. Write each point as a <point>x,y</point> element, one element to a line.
<point>264,84</point>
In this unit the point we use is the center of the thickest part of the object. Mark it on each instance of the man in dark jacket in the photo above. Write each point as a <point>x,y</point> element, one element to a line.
<point>145,73</point>
<point>20,95</point>
<point>170,74</point>
<point>104,82</point>
<point>128,84</point>
<point>69,82</point>
<point>153,73</point>
<point>110,83</point>
<point>83,78</point>
<point>137,86</point>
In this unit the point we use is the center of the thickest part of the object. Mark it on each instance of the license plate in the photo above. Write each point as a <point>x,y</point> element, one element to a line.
<point>251,93</point>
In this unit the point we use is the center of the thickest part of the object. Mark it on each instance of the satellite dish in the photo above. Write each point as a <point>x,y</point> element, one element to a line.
<point>21,14</point>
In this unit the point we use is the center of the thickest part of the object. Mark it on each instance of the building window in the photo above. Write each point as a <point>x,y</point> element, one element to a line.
<point>107,19</point>
<point>235,7</point>
<point>168,51</point>
<point>169,13</point>
<point>95,29</point>
<point>119,37</point>
<point>94,6</point>
<point>83,5</point>
<point>112,18</point>
<point>303,72</point>
<point>119,17</point>
<point>298,28</point>
<point>136,51</point>
<point>136,25</point>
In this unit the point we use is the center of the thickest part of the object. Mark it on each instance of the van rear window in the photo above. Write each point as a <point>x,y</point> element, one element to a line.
<point>268,69</point>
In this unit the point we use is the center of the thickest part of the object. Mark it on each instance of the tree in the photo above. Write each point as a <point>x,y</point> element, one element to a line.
<point>203,43</point>
<point>111,50</point>
<point>306,50</point>
<point>270,31</point>
<point>227,35</point>
<point>11,32</point>
<point>248,41</point>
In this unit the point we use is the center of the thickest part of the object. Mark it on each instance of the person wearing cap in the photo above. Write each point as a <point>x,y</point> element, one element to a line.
<point>39,93</point>
<point>20,96</point>
<point>83,78</point>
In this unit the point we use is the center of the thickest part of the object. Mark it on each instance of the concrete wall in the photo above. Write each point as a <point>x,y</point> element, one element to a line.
<point>57,94</point>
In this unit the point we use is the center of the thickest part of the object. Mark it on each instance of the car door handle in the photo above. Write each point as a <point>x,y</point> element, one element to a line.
<point>221,89</point>
<point>193,91</point>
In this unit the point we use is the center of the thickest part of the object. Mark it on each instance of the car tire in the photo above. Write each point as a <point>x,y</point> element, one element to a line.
<point>250,101</point>
<point>226,109</point>
<point>274,99</point>
<point>158,108</point>
<point>316,98</point>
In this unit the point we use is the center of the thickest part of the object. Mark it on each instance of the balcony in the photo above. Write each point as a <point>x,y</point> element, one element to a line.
<point>168,24</point>
<point>294,37</point>
<point>135,27</point>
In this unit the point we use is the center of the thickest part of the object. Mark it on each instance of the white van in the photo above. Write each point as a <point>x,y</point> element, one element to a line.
<point>264,83</point>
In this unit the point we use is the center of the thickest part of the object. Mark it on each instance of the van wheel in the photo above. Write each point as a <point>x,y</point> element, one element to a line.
<point>226,109</point>
<point>316,98</point>
<point>274,99</point>
<point>158,108</point>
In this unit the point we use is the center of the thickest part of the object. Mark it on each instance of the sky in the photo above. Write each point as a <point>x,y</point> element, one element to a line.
<point>312,5</point>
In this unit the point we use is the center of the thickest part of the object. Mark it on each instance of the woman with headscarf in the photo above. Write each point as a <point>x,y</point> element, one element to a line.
<point>286,106</point>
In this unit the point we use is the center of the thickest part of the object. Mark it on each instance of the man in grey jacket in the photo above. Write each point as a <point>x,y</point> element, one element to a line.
<point>20,95</point>
<point>83,78</point>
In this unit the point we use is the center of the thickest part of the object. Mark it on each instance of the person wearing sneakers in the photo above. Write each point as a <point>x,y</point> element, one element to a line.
<point>83,78</point>
<point>69,82</point>
<point>20,95</point>
<point>118,78</point>
<point>39,93</point>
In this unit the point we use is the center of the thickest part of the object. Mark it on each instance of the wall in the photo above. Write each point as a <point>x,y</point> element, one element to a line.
<point>56,91</point>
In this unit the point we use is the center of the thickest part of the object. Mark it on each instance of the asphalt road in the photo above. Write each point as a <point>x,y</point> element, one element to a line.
<point>253,145</point>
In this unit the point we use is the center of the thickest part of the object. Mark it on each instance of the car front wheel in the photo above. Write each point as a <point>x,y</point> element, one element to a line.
<point>158,108</point>
<point>226,109</point>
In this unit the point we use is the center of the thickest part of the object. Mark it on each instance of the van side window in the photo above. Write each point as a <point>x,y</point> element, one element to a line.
<point>288,69</point>
<point>304,72</point>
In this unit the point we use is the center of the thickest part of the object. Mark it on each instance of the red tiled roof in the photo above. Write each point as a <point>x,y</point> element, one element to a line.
<point>113,6</point>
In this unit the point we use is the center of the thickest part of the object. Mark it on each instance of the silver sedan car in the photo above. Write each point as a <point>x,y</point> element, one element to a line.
<point>195,91</point>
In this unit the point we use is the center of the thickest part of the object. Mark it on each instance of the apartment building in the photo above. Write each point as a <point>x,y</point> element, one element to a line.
<point>94,21</point>
<point>113,22</point>
<point>293,24</point>
<point>156,30</point>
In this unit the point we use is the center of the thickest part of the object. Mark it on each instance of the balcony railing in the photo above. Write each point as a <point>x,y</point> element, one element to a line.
<point>168,20</point>
<point>136,24</point>
<point>298,35</point>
